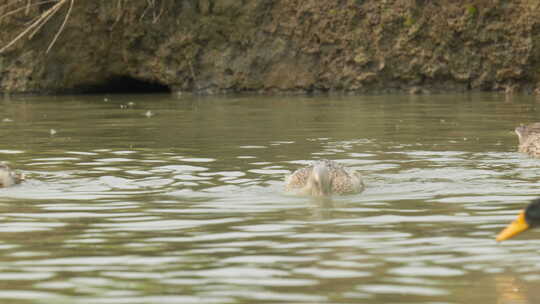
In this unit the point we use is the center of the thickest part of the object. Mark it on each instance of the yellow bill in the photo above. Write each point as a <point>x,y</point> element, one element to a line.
<point>517,226</point>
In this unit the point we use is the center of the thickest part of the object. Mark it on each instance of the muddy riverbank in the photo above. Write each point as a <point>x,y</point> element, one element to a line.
<point>216,46</point>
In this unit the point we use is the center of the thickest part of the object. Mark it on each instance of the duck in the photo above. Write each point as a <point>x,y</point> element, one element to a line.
<point>529,139</point>
<point>324,178</point>
<point>527,218</point>
<point>8,177</point>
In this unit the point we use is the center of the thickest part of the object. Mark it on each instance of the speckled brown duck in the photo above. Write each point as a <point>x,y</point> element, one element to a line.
<point>8,177</point>
<point>324,178</point>
<point>529,139</point>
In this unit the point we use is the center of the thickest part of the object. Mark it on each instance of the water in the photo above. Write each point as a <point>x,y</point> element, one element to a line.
<point>187,206</point>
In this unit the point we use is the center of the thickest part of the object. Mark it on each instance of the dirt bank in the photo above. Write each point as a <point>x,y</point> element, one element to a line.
<point>214,46</point>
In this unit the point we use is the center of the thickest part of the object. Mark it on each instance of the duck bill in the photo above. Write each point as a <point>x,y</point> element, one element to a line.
<point>517,226</point>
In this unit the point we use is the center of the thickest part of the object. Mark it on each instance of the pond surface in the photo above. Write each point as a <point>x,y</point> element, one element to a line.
<point>152,199</point>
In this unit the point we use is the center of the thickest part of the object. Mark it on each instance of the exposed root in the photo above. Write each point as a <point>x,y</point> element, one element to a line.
<point>38,22</point>
<point>26,8</point>
<point>61,26</point>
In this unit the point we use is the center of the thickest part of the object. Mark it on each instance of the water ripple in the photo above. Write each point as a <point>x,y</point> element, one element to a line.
<point>190,207</point>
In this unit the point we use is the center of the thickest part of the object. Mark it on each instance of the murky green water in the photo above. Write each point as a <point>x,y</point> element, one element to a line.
<point>186,205</point>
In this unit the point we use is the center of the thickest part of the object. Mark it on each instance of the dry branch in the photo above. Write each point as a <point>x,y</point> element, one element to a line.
<point>38,22</point>
<point>61,26</point>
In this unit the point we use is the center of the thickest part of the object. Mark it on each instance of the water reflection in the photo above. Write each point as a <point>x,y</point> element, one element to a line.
<point>187,205</point>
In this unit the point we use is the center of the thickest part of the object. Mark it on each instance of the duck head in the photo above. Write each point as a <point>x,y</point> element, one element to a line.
<point>523,131</point>
<point>8,177</point>
<point>527,218</point>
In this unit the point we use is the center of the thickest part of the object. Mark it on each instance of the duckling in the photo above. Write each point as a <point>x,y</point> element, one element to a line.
<point>324,178</point>
<point>8,177</point>
<point>527,218</point>
<point>529,139</point>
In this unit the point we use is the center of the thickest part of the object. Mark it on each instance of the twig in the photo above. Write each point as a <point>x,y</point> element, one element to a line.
<point>156,17</point>
<point>44,20</point>
<point>38,23</point>
<point>34,24</point>
<point>24,8</point>
<point>61,27</point>
<point>119,14</point>
<point>148,5</point>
